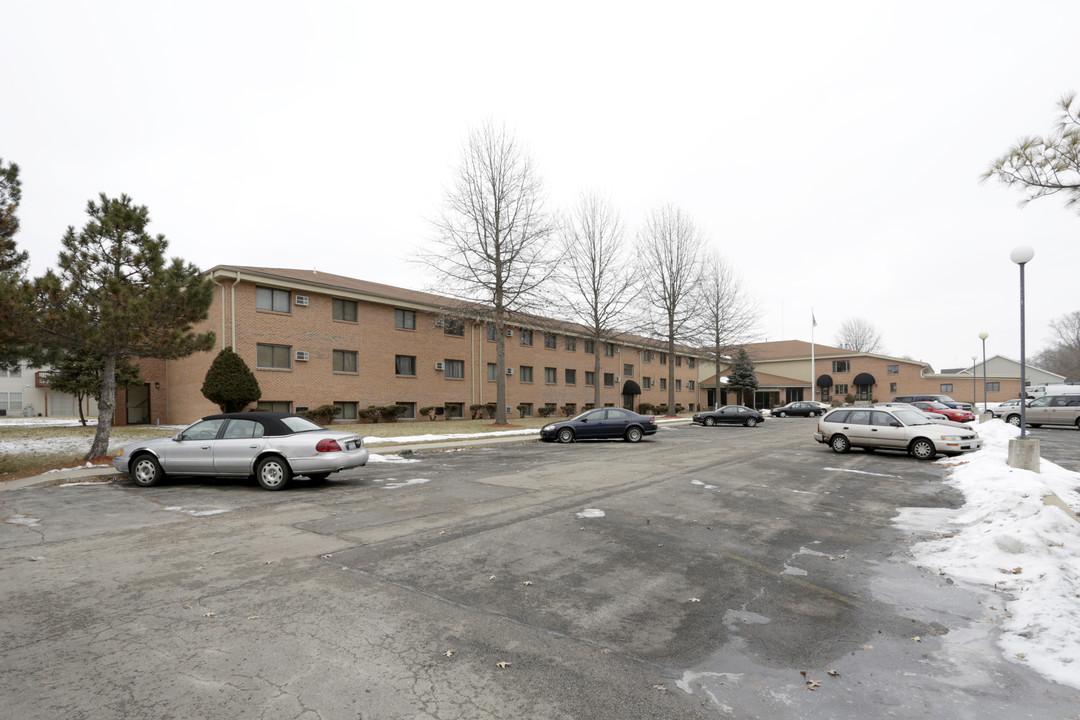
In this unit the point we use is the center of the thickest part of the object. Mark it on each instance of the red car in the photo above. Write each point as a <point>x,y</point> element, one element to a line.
<point>943,409</point>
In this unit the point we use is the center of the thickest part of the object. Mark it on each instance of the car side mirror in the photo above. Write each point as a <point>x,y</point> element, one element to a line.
<point>896,423</point>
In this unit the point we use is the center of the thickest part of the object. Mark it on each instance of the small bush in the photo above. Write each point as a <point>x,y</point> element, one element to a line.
<point>323,415</point>
<point>391,413</point>
<point>453,409</point>
<point>661,409</point>
<point>646,408</point>
<point>477,410</point>
<point>848,399</point>
<point>490,409</point>
<point>679,408</point>
<point>546,411</point>
<point>429,411</point>
<point>522,408</point>
<point>569,409</point>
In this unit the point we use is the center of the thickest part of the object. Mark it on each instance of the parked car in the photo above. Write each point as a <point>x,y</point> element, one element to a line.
<point>943,409</point>
<point>999,409</point>
<point>798,409</point>
<point>272,446</point>
<point>730,414</point>
<point>931,416</point>
<point>944,399</point>
<point>1038,391</point>
<point>887,428</point>
<point>1049,410</point>
<point>823,407</point>
<point>600,424</point>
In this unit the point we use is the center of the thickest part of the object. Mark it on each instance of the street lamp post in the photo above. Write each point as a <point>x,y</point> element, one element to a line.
<point>1023,451</point>
<point>974,384</point>
<point>982,336</point>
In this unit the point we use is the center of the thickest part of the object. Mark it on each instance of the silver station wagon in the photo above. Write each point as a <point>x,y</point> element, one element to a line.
<point>886,428</point>
<point>272,446</point>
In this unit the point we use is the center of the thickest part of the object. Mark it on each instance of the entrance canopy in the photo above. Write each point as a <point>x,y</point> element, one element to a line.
<point>864,379</point>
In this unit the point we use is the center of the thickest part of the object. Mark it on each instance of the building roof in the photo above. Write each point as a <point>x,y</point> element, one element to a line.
<point>800,350</point>
<point>764,380</point>
<point>390,294</point>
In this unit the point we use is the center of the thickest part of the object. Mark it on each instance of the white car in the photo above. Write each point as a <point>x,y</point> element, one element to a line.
<point>272,446</point>
<point>1000,408</point>
<point>886,428</point>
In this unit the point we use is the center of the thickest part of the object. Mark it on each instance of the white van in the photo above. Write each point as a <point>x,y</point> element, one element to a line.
<point>1038,391</point>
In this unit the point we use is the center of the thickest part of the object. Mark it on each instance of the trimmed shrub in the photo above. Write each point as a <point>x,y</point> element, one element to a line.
<point>323,415</point>
<point>678,408</point>
<point>569,409</point>
<point>429,411</point>
<point>646,408</point>
<point>477,410</point>
<point>546,411</point>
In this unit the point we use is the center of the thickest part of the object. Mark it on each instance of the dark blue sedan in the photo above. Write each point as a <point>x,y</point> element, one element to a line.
<point>600,424</point>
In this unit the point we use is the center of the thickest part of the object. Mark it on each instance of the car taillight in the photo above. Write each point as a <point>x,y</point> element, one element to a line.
<point>328,445</point>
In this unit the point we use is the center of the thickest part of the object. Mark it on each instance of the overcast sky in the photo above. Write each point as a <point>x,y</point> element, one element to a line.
<point>830,150</point>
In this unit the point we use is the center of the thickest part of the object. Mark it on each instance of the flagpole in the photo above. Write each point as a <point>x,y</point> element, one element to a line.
<point>813,324</point>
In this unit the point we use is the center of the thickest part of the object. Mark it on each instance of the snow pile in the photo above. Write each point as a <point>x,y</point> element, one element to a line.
<point>1006,537</point>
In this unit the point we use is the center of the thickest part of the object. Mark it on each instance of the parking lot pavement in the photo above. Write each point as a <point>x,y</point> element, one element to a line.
<point>704,572</point>
<point>1060,445</point>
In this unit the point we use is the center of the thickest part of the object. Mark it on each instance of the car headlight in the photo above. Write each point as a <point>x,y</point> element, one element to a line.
<point>953,438</point>
<point>547,428</point>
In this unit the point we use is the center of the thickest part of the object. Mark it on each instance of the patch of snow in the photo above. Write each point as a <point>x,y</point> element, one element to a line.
<point>24,520</point>
<point>859,472</point>
<point>392,484</point>
<point>373,458</point>
<point>591,513</point>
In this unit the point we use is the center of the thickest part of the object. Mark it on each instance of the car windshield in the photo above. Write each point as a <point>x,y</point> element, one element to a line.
<point>588,414</point>
<point>299,424</point>
<point>946,399</point>
<point>939,406</point>
<point>911,417</point>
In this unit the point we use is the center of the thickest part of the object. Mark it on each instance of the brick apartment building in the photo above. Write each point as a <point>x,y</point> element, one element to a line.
<point>314,338</point>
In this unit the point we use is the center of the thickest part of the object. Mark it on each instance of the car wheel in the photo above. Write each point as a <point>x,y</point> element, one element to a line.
<point>566,435</point>
<point>1078,423</point>
<point>317,477</point>
<point>710,421</point>
<point>146,471</point>
<point>840,444</point>
<point>923,449</point>
<point>1013,420</point>
<point>273,473</point>
<point>783,414</point>
<point>633,434</point>
<point>750,422</point>
<point>813,414</point>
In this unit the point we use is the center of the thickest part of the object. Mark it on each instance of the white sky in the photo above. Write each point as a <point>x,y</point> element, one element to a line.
<point>831,150</point>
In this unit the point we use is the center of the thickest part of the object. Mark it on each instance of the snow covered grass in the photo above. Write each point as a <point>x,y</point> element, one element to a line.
<point>1007,539</point>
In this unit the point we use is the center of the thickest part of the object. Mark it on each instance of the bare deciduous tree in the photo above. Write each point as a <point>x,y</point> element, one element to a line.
<point>597,272</point>
<point>727,314</point>
<point>1046,166</point>
<point>858,335</point>
<point>492,250</point>
<point>669,252</point>
<point>1063,355</point>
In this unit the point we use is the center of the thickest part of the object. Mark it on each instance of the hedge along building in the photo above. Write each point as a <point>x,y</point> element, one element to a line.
<point>315,338</point>
<point>786,374</point>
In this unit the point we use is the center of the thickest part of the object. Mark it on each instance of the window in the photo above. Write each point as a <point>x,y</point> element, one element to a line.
<point>493,371</point>
<point>274,406</point>
<point>689,384</point>
<point>570,343</point>
<point>11,403</point>
<point>840,389</point>
<point>646,355</point>
<point>454,326</point>
<point>454,369</point>
<point>663,358</point>
<point>345,310</point>
<point>590,347</point>
<point>525,409</point>
<point>455,409</point>
<point>410,410</point>
<point>405,365</point>
<point>690,362</point>
<point>273,357</point>
<point>993,387</point>
<point>345,361</point>
<point>491,330</point>
<point>609,350</point>
<point>570,409</point>
<point>609,379</point>
<point>551,375</point>
<point>678,385</point>
<point>628,370</point>
<point>526,337</point>
<point>404,319</point>
<point>892,388</point>
<point>526,373</point>
<point>273,299</point>
<point>946,387</point>
<point>571,377</point>
<point>14,372</point>
<point>346,411</point>
<point>554,407</point>
<point>590,378</point>
<point>839,366</point>
<point>678,361</point>
<point>663,383</point>
<point>551,341</point>
<point>646,383</point>
<point>893,369</point>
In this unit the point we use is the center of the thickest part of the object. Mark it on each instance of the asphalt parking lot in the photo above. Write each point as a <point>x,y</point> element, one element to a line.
<point>704,572</point>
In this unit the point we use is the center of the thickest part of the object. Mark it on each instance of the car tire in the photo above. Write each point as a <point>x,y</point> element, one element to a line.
<point>751,422</point>
<point>1013,420</point>
<point>840,444</point>
<point>146,471</point>
<point>566,435</point>
<point>633,435</point>
<point>783,414</point>
<point>710,421</point>
<point>273,473</point>
<point>923,449</point>
<point>317,477</point>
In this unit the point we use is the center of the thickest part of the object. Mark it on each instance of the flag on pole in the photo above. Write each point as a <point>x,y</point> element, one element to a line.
<point>813,318</point>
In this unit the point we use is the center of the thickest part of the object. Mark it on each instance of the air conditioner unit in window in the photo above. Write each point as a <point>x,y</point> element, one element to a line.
<point>509,332</point>
<point>440,366</point>
<point>301,300</point>
<point>618,379</point>
<point>302,355</point>
<point>509,371</point>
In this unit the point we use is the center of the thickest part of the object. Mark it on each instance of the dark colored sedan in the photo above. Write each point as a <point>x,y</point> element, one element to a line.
<point>797,409</point>
<point>730,414</point>
<point>600,424</point>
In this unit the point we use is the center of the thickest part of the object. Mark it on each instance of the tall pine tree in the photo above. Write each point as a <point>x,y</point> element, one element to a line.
<point>742,377</point>
<point>116,296</point>
<point>14,308</point>
<point>79,373</point>
<point>229,382</point>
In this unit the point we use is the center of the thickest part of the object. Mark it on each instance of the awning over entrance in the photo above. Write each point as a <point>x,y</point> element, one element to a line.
<point>864,379</point>
<point>825,381</point>
<point>631,388</point>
